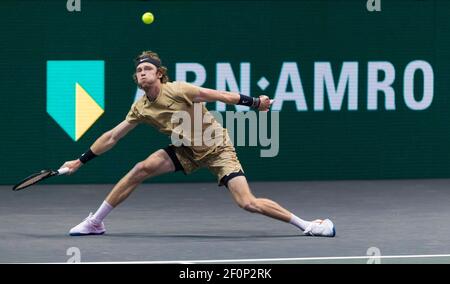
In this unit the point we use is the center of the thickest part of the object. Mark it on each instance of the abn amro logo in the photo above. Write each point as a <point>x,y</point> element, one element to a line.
<point>75,94</point>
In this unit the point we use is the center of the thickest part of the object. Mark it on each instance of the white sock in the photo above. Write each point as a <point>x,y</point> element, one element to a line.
<point>101,213</point>
<point>299,223</point>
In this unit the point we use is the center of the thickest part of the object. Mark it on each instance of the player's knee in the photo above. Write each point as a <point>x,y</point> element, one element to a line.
<point>250,206</point>
<point>142,170</point>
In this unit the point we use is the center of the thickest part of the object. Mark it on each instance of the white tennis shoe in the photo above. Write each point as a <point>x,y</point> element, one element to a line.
<point>88,227</point>
<point>321,228</point>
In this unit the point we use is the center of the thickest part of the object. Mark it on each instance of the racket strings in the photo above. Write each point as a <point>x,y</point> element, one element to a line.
<point>32,180</point>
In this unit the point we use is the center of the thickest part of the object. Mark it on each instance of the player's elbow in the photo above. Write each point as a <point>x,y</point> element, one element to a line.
<point>207,95</point>
<point>110,138</point>
<point>202,98</point>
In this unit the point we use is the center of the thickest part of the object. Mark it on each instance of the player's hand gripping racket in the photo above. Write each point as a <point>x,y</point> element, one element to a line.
<point>37,177</point>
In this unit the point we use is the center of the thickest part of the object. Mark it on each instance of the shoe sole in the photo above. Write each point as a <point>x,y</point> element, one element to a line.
<point>88,234</point>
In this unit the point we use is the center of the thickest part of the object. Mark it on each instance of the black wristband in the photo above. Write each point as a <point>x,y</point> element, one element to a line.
<point>256,102</point>
<point>248,101</point>
<point>87,156</point>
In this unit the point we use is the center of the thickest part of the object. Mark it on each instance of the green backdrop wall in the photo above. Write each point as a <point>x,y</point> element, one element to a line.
<point>271,39</point>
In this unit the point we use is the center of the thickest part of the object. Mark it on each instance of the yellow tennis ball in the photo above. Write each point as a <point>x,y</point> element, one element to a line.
<point>148,18</point>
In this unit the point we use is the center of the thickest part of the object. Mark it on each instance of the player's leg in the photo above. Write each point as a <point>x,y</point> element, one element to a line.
<point>225,165</point>
<point>243,196</point>
<point>245,199</point>
<point>158,163</point>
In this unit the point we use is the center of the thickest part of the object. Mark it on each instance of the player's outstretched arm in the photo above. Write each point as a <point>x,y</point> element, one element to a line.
<point>209,95</point>
<point>104,143</point>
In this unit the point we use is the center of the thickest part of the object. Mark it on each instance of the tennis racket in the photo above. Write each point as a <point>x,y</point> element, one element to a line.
<point>37,177</point>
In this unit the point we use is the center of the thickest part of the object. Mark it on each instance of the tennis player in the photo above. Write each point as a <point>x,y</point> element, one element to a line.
<point>161,101</point>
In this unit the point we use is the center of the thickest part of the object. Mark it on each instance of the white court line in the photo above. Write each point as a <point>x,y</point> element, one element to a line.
<point>274,259</point>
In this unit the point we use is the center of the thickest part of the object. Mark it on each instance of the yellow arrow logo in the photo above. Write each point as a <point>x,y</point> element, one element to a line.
<point>87,111</point>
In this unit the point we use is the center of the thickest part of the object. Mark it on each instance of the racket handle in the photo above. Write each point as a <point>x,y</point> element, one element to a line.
<point>63,171</point>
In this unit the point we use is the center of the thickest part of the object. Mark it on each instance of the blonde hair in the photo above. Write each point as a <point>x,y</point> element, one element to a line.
<point>162,69</point>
